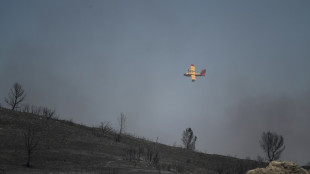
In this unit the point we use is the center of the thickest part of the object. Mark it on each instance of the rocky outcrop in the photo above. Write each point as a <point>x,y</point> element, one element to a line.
<point>276,167</point>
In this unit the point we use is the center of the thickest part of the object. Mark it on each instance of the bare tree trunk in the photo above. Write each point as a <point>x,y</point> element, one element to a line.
<point>121,122</point>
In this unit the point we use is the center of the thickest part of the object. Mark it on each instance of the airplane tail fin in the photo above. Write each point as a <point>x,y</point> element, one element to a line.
<point>203,72</point>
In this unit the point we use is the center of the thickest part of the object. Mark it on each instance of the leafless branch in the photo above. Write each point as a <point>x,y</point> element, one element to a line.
<point>105,128</point>
<point>188,139</point>
<point>272,144</point>
<point>48,113</point>
<point>31,140</point>
<point>16,96</point>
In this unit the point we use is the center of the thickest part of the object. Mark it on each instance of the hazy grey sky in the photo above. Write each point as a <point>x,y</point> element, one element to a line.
<point>93,59</point>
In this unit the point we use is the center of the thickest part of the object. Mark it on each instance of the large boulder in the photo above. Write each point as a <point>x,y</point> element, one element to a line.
<point>276,167</point>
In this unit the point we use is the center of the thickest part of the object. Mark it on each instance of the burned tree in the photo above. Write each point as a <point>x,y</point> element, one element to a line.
<point>49,113</point>
<point>121,122</point>
<point>105,128</point>
<point>188,139</point>
<point>31,140</point>
<point>272,144</point>
<point>16,96</point>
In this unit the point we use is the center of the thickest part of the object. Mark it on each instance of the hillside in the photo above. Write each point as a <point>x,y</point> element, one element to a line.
<point>66,147</point>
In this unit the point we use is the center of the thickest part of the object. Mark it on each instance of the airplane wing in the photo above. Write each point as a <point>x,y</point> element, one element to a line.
<point>187,74</point>
<point>202,73</point>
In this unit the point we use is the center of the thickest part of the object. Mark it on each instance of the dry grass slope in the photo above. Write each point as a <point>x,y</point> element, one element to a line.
<point>66,147</point>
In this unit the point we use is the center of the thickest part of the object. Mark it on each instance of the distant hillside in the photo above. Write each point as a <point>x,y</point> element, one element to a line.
<point>66,147</point>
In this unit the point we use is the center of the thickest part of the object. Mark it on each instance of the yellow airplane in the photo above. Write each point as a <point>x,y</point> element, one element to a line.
<point>191,72</point>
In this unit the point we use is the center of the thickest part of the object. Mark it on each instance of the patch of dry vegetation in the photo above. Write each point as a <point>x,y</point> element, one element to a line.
<point>67,147</point>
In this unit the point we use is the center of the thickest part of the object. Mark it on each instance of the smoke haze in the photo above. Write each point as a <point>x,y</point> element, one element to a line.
<point>92,60</point>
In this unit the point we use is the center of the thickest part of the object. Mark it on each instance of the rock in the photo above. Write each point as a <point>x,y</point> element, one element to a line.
<point>276,167</point>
